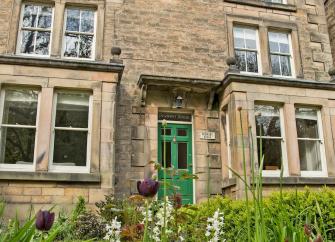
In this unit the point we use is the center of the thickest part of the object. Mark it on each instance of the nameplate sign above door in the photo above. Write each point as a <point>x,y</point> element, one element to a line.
<point>181,117</point>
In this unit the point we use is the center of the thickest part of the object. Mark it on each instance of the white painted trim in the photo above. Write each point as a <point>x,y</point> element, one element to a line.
<point>80,33</point>
<point>71,169</point>
<point>19,35</point>
<point>229,162</point>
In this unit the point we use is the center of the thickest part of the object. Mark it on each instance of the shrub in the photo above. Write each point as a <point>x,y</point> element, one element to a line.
<point>89,225</point>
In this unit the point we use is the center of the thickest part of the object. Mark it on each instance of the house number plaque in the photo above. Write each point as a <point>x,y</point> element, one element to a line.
<point>206,135</point>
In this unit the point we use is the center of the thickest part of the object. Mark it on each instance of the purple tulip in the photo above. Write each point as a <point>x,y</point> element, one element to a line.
<point>44,220</point>
<point>148,187</point>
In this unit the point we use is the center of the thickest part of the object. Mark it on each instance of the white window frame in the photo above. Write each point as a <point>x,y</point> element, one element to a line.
<point>21,28</point>
<point>226,127</point>
<point>323,172</point>
<point>80,33</point>
<point>259,62</point>
<point>71,169</point>
<point>271,1</point>
<point>292,65</point>
<point>267,173</point>
<point>20,167</point>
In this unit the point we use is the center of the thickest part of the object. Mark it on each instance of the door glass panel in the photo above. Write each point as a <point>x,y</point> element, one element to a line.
<point>167,131</point>
<point>168,154</point>
<point>182,132</point>
<point>182,155</point>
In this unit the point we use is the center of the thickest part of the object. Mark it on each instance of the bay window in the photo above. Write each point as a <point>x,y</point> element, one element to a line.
<point>35,30</point>
<point>79,34</point>
<point>18,128</point>
<point>71,132</point>
<point>246,46</point>
<point>310,141</point>
<point>270,138</point>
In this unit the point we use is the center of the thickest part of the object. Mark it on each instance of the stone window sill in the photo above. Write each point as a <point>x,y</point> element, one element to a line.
<point>296,180</point>
<point>231,182</point>
<point>259,3</point>
<point>61,63</point>
<point>48,176</point>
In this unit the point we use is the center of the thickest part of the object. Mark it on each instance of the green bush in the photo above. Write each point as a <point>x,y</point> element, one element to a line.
<point>315,208</point>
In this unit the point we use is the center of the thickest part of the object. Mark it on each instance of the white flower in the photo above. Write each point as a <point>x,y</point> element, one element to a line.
<point>214,228</point>
<point>113,231</point>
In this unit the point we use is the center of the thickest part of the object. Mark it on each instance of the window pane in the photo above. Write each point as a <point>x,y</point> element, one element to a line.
<point>309,153</point>
<point>72,110</point>
<point>73,18</point>
<point>252,65</point>
<point>285,65</point>
<point>240,60</point>
<point>271,150</point>
<point>20,107</point>
<point>17,145</point>
<point>70,148</point>
<point>168,153</point>
<point>182,155</point>
<point>167,131</point>
<point>275,65</point>
<point>42,43</point>
<point>250,38</point>
<point>268,123</point>
<point>45,17</point>
<point>238,38</point>
<point>307,123</point>
<point>273,42</point>
<point>27,43</point>
<point>182,132</point>
<point>29,16</point>
<point>85,50</point>
<point>71,45</point>
<point>87,21</point>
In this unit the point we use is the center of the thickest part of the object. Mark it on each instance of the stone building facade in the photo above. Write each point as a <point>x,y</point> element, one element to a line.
<point>97,116</point>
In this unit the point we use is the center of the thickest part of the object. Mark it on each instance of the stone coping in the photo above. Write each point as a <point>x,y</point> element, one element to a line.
<point>276,81</point>
<point>62,63</point>
<point>50,176</point>
<point>297,180</point>
<point>259,3</point>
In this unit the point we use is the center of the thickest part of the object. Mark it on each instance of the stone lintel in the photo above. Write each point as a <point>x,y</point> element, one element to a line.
<point>48,176</point>
<point>297,180</point>
<point>63,64</point>
<point>196,84</point>
<point>275,6</point>
<point>276,81</point>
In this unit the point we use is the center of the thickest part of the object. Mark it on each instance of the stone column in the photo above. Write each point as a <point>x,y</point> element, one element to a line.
<point>44,129</point>
<point>291,140</point>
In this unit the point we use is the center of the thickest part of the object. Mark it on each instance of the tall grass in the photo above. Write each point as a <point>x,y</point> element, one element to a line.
<point>282,227</point>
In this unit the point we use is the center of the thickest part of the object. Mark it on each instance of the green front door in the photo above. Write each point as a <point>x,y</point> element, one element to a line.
<point>178,143</point>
